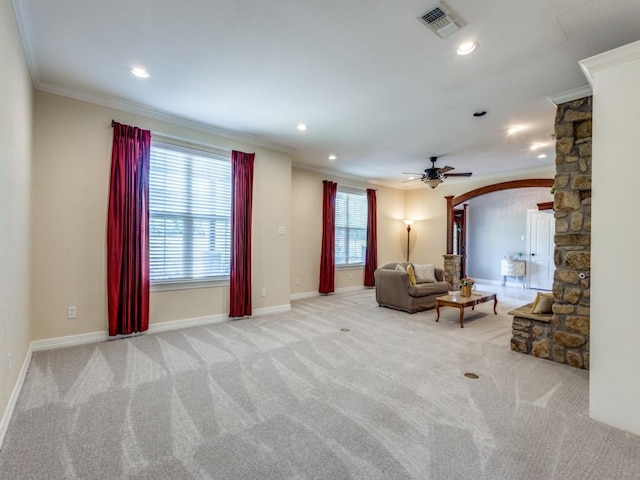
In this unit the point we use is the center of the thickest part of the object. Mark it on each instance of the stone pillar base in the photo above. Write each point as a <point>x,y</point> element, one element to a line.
<point>452,267</point>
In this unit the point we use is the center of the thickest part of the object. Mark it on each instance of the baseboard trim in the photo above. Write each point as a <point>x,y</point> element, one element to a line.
<point>509,283</point>
<point>13,399</point>
<point>303,295</point>
<point>487,281</point>
<point>84,338</point>
<point>68,341</point>
<point>260,312</point>
<point>187,322</point>
<point>350,289</point>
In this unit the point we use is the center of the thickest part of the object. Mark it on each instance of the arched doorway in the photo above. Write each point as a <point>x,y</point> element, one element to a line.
<point>456,229</point>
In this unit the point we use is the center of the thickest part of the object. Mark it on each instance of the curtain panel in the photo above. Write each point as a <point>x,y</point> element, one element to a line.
<point>241,208</point>
<point>328,253</point>
<point>128,231</point>
<point>371,259</point>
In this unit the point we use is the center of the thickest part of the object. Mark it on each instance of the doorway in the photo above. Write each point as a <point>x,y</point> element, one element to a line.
<point>457,220</point>
<point>460,237</point>
<point>541,228</point>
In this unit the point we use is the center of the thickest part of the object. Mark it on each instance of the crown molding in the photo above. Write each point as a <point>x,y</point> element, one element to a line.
<point>348,176</point>
<point>570,95</point>
<point>618,56</point>
<point>130,107</point>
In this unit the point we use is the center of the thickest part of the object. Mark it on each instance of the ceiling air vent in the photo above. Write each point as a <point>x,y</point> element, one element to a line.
<point>441,20</point>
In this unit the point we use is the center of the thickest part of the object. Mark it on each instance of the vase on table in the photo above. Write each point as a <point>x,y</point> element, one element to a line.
<point>466,290</point>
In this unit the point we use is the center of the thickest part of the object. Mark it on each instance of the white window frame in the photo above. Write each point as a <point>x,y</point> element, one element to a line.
<point>355,192</point>
<point>189,283</point>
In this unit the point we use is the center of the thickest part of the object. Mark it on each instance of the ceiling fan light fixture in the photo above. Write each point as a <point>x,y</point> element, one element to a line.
<point>433,182</point>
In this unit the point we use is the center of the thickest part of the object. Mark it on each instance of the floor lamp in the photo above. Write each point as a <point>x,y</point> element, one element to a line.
<point>408,223</point>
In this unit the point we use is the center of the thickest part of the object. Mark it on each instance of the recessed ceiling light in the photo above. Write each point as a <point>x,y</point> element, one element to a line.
<point>536,146</point>
<point>140,72</point>
<point>302,127</point>
<point>332,157</point>
<point>513,130</point>
<point>412,178</point>
<point>466,48</point>
<point>542,155</point>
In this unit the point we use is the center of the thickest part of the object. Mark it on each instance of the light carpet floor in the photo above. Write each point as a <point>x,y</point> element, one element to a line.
<point>293,396</point>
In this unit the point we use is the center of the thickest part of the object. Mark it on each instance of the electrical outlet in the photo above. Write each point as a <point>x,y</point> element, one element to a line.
<point>297,280</point>
<point>264,292</point>
<point>72,312</point>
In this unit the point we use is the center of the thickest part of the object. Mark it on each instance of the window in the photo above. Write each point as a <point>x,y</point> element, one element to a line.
<point>351,227</point>
<point>189,210</point>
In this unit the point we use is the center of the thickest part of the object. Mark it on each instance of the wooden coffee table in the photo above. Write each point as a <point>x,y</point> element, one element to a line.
<point>460,302</point>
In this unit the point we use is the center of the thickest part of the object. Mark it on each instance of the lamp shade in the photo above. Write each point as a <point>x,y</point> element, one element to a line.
<point>409,222</point>
<point>433,182</point>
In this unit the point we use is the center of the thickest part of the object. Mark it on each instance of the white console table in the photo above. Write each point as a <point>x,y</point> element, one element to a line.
<point>510,267</point>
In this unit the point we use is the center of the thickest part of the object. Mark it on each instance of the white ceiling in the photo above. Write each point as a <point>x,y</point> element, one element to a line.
<point>376,87</point>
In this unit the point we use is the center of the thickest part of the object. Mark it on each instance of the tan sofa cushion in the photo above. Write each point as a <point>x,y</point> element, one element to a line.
<point>424,289</point>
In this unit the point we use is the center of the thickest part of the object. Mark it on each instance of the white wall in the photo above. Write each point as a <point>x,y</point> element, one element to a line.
<point>72,157</point>
<point>496,225</point>
<point>615,282</point>
<point>15,217</point>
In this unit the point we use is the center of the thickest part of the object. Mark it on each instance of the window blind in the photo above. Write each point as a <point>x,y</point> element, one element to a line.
<point>189,209</point>
<point>351,228</point>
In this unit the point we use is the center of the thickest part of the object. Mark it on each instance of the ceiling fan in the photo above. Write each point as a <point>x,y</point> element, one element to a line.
<point>434,176</point>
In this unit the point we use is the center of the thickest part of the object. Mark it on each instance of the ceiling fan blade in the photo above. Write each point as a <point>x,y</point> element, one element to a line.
<point>411,180</point>
<point>412,173</point>
<point>445,169</point>
<point>466,174</point>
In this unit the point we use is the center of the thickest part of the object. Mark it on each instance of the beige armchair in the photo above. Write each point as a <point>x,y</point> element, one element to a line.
<point>394,290</point>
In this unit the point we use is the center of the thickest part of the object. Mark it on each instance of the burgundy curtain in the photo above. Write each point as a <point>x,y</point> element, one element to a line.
<point>371,260</point>
<point>328,254</point>
<point>128,231</point>
<point>241,205</point>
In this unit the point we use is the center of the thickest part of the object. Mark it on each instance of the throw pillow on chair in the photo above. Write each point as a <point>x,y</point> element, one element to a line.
<point>425,273</point>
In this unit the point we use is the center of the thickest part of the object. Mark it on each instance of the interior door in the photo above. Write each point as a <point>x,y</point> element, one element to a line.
<point>541,228</point>
<point>460,238</point>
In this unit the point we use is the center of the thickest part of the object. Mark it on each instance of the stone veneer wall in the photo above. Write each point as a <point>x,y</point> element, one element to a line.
<point>568,339</point>
<point>452,269</point>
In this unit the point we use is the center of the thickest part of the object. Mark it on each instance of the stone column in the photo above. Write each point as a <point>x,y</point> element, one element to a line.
<point>452,265</point>
<point>569,335</point>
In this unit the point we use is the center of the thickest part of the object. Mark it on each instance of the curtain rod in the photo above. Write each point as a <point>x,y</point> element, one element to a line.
<point>187,140</point>
<point>352,186</point>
